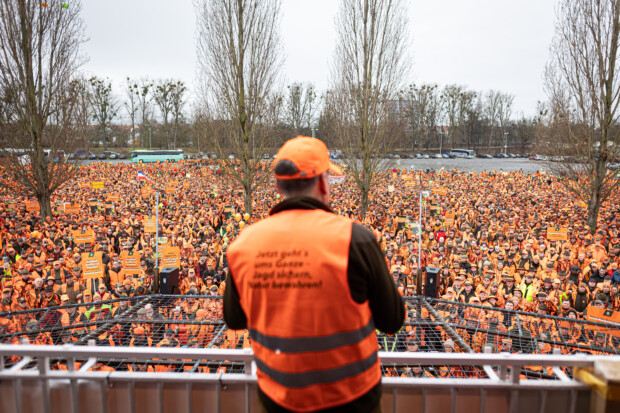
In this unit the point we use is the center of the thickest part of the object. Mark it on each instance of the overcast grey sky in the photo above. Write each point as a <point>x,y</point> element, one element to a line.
<point>483,44</point>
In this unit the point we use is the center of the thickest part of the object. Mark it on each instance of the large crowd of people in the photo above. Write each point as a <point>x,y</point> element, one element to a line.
<point>488,234</point>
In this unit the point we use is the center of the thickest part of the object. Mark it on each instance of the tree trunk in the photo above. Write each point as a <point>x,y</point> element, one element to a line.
<point>105,141</point>
<point>595,195</point>
<point>364,205</point>
<point>45,205</point>
<point>247,197</point>
<point>593,208</point>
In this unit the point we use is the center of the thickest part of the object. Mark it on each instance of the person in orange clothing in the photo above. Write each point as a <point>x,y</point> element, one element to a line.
<point>191,278</point>
<point>303,237</point>
<point>72,317</point>
<point>600,345</point>
<point>49,298</point>
<point>8,302</point>
<point>202,333</point>
<point>139,338</point>
<point>103,293</point>
<point>36,337</point>
<point>99,366</point>
<point>21,285</point>
<point>72,288</point>
<point>416,371</point>
<point>169,339</point>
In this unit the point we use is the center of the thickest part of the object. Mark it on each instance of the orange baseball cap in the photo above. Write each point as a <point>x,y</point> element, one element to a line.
<point>309,155</point>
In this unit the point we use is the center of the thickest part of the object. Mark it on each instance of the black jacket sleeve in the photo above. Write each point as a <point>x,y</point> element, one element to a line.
<point>369,279</point>
<point>234,316</point>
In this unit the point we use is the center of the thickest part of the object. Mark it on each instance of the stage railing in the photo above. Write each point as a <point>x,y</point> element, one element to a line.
<point>31,385</point>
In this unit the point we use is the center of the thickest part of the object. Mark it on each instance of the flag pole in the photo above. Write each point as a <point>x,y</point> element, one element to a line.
<point>156,229</point>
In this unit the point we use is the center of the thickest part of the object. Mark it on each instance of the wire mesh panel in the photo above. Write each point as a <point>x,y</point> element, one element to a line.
<point>195,321</point>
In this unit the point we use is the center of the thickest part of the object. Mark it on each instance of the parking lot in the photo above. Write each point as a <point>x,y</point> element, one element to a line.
<point>470,165</point>
<point>467,165</point>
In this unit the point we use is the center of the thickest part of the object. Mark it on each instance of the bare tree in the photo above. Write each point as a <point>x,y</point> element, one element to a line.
<point>239,52</point>
<point>422,110</point>
<point>39,58</point>
<point>301,108</point>
<point>162,95</point>
<point>145,107</point>
<point>458,104</point>
<point>132,97</point>
<point>504,111</point>
<point>104,106</point>
<point>491,109</point>
<point>176,112</point>
<point>368,70</point>
<point>584,90</point>
<point>200,125</point>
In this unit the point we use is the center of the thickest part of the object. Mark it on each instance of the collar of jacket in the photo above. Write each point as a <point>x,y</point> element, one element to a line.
<point>299,202</point>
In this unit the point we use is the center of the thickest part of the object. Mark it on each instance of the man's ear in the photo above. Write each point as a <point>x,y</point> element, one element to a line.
<point>323,184</point>
<point>278,189</point>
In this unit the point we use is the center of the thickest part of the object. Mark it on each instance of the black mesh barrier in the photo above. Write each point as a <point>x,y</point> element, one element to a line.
<point>431,325</point>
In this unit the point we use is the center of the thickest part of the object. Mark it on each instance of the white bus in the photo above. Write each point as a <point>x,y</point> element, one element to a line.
<point>462,153</point>
<point>156,155</point>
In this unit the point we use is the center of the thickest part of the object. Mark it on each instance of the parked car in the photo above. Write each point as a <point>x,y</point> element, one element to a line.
<point>418,155</point>
<point>92,156</point>
<point>71,156</point>
<point>113,155</point>
<point>425,156</point>
<point>101,156</point>
<point>122,156</point>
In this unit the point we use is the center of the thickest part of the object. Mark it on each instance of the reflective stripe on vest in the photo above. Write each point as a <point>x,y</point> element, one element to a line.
<point>304,344</point>
<point>314,346</point>
<point>314,377</point>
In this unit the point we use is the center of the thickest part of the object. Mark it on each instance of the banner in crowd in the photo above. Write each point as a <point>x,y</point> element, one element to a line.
<point>603,315</point>
<point>150,224</point>
<point>414,226</point>
<point>440,191</point>
<point>32,206</point>
<point>170,257</point>
<point>131,262</point>
<point>83,236</point>
<point>72,209</point>
<point>450,219</point>
<point>113,198</point>
<point>92,266</point>
<point>97,184</point>
<point>147,191</point>
<point>557,234</point>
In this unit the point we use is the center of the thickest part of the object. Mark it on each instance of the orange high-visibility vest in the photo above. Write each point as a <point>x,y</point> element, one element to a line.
<point>314,346</point>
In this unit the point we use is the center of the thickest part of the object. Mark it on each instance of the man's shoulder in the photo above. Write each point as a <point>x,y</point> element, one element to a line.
<point>360,233</point>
